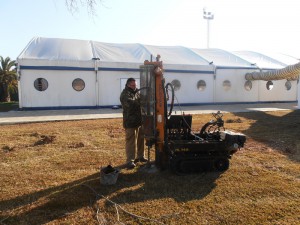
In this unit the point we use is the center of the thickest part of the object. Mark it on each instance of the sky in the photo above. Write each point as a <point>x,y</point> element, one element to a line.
<point>253,25</point>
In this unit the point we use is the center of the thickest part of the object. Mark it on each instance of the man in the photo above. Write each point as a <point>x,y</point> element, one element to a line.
<point>132,122</point>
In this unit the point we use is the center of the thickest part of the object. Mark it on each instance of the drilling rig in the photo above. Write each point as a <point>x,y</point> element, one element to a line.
<point>176,146</point>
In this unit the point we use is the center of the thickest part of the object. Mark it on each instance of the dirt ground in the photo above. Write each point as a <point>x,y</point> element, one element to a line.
<point>50,175</point>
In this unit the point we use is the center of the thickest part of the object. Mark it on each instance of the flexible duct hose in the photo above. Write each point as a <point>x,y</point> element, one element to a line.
<point>290,72</point>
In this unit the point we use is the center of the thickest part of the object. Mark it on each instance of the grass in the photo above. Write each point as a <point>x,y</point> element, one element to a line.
<point>50,175</point>
<point>8,106</point>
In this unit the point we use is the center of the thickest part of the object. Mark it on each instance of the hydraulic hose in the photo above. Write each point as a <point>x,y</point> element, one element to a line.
<point>290,72</point>
<point>172,97</point>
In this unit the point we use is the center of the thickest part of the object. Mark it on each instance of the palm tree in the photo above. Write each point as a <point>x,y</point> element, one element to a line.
<point>8,78</point>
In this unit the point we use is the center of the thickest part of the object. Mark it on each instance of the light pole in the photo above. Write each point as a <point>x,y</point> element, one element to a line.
<point>208,15</point>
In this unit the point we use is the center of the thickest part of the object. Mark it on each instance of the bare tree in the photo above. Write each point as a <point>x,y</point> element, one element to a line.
<point>74,5</point>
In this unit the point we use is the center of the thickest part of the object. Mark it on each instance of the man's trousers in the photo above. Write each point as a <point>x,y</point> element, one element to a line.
<point>134,143</point>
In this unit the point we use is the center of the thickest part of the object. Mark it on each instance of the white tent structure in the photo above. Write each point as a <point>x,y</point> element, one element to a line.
<point>67,73</point>
<point>275,90</point>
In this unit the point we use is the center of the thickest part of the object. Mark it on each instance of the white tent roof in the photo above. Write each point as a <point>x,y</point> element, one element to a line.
<point>283,58</point>
<point>222,58</point>
<point>177,55</point>
<point>260,60</point>
<point>109,52</point>
<point>82,50</point>
<point>57,49</point>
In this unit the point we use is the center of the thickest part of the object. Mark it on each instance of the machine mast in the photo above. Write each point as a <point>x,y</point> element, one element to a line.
<point>154,108</point>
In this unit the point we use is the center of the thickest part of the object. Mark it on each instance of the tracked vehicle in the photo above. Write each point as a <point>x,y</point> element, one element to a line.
<point>176,146</point>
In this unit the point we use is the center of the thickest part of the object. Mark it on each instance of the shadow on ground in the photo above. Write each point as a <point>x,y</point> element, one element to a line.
<point>57,202</point>
<point>281,133</point>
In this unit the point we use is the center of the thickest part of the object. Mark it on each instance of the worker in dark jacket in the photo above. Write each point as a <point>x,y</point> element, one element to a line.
<point>132,122</point>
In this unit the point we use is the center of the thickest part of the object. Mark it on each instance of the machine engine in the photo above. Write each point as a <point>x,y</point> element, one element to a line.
<point>210,149</point>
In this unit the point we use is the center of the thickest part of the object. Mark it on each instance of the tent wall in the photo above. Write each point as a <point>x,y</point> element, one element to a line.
<point>60,92</point>
<point>188,76</point>
<point>278,92</point>
<point>105,91</point>
<point>236,91</point>
<point>111,75</point>
<point>188,93</point>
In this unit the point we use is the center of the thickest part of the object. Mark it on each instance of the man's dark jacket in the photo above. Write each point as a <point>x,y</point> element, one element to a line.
<point>130,101</point>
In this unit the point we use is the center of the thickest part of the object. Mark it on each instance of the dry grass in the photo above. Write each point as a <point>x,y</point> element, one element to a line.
<point>50,175</point>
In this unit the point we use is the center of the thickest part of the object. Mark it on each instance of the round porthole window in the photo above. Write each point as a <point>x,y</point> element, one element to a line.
<point>248,85</point>
<point>41,84</point>
<point>176,84</point>
<point>269,85</point>
<point>78,84</point>
<point>288,85</point>
<point>226,85</point>
<point>201,85</point>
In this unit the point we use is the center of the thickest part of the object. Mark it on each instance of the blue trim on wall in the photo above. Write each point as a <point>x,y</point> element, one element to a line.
<point>235,67</point>
<point>119,106</point>
<point>118,69</point>
<point>241,67</point>
<point>65,107</point>
<point>56,68</point>
<point>130,69</point>
<point>189,71</point>
<point>65,68</point>
<point>232,103</point>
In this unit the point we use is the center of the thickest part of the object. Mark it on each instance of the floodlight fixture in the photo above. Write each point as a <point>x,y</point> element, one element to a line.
<point>208,15</point>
